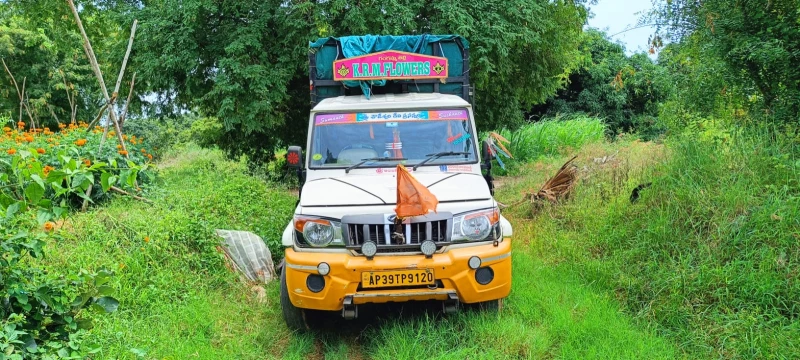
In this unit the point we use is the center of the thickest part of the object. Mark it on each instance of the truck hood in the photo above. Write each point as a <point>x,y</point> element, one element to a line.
<point>354,190</point>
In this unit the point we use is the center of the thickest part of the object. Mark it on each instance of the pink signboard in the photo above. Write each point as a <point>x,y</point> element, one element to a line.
<point>430,115</point>
<point>388,65</point>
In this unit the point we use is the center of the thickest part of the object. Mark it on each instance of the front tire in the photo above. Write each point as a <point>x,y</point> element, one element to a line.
<point>293,316</point>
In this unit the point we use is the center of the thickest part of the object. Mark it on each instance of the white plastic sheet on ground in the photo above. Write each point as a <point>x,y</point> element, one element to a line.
<point>248,254</point>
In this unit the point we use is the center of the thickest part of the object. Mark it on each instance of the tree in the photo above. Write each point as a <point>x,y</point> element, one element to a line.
<point>246,62</point>
<point>757,40</point>
<point>40,43</point>
<point>624,91</point>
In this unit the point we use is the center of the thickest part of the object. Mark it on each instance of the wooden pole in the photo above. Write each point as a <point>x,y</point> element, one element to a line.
<point>115,94</point>
<point>124,115</point>
<point>87,47</point>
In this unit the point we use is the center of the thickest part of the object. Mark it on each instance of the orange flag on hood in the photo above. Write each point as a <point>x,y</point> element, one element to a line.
<point>413,198</point>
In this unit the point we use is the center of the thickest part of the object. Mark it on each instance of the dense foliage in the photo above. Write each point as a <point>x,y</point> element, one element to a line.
<point>43,175</point>
<point>43,50</point>
<point>625,91</point>
<point>245,62</point>
<point>754,46</point>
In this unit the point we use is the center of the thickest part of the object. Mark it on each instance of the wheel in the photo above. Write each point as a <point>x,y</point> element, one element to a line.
<point>293,316</point>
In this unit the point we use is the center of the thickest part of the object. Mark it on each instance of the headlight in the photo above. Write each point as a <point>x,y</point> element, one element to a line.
<point>475,226</point>
<point>318,232</point>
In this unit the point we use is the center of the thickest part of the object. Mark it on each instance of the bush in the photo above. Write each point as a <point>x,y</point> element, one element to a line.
<point>44,174</point>
<point>710,253</point>
<point>162,133</point>
<point>552,136</point>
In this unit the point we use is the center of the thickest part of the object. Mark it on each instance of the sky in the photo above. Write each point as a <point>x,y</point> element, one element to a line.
<point>614,16</point>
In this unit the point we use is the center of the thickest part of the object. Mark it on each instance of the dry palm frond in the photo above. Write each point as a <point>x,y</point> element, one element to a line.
<point>557,187</point>
<point>560,185</point>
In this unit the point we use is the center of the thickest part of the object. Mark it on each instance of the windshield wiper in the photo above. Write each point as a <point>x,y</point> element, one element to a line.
<point>364,161</point>
<point>431,157</point>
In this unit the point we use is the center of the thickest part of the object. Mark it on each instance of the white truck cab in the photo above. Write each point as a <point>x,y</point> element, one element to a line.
<point>343,247</point>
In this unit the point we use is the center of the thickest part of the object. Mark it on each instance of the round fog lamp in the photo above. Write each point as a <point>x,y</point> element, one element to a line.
<point>369,249</point>
<point>323,268</point>
<point>428,247</point>
<point>474,262</point>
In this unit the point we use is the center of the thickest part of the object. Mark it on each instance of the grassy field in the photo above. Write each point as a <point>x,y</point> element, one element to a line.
<point>702,266</point>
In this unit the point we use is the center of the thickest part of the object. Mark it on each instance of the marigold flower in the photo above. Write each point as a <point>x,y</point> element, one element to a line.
<point>146,239</point>
<point>29,138</point>
<point>61,126</point>
<point>123,153</point>
<point>21,125</point>
<point>119,147</point>
<point>144,151</point>
<point>87,162</point>
<point>49,226</point>
<point>47,169</point>
<point>11,151</point>
<point>150,156</point>
<point>40,151</point>
<point>80,142</point>
<point>6,129</point>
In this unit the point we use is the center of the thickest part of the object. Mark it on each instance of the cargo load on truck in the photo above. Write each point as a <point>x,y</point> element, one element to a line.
<point>368,65</point>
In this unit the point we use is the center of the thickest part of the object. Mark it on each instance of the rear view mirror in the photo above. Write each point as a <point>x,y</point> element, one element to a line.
<point>294,157</point>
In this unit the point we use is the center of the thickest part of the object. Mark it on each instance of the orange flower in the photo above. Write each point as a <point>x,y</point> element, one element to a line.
<point>11,151</point>
<point>29,138</point>
<point>61,126</point>
<point>146,239</point>
<point>46,129</point>
<point>21,125</point>
<point>80,142</point>
<point>87,162</point>
<point>6,129</point>
<point>123,153</point>
<point>144,151</point>
<point>49,226</point>
<point>119,147</point>
<point>40,151</point>
<point>47,169</point>
<point>150,156</point>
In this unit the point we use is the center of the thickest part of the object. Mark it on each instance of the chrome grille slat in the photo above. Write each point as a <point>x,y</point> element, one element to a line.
<point>415,233</point>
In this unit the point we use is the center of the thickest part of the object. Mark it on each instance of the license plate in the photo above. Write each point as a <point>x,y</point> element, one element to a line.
<point>380,279</point>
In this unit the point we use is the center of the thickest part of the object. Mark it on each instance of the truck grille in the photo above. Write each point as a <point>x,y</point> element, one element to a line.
<point>361,228</point>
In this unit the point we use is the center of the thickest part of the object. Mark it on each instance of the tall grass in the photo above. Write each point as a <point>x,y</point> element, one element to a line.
<point>710,253</point>
<point>552,136</point>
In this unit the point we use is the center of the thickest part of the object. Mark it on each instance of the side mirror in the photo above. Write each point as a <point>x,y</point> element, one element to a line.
<point>294,157</point>
<point>487,156</point>
<point>486,152</point>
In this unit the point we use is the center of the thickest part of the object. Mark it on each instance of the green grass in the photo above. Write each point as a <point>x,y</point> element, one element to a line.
<point>552,136</point>
<point>709,255</point>
<point>703,266</point>
<point>179,301</point>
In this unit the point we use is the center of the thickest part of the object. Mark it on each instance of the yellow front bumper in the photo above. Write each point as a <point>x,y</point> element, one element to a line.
<point>450,268</point>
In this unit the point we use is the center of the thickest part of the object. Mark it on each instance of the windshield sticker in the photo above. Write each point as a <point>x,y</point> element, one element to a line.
<point>455,168</point>
<point>434,115</point>
<point>458,139</point>
<point>317,157</point>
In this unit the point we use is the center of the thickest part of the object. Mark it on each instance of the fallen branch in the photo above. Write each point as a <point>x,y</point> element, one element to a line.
<point>123,192</point>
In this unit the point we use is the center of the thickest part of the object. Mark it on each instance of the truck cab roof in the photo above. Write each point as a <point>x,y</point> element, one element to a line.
<point>389,101</point>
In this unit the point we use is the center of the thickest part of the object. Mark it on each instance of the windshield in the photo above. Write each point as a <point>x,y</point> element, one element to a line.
<point>344,139</point>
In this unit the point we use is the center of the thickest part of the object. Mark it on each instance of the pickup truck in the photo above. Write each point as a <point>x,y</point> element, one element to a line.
<point>373,108</point>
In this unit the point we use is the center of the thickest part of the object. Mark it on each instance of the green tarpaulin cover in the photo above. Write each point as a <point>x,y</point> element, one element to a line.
<point>367,44</point>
